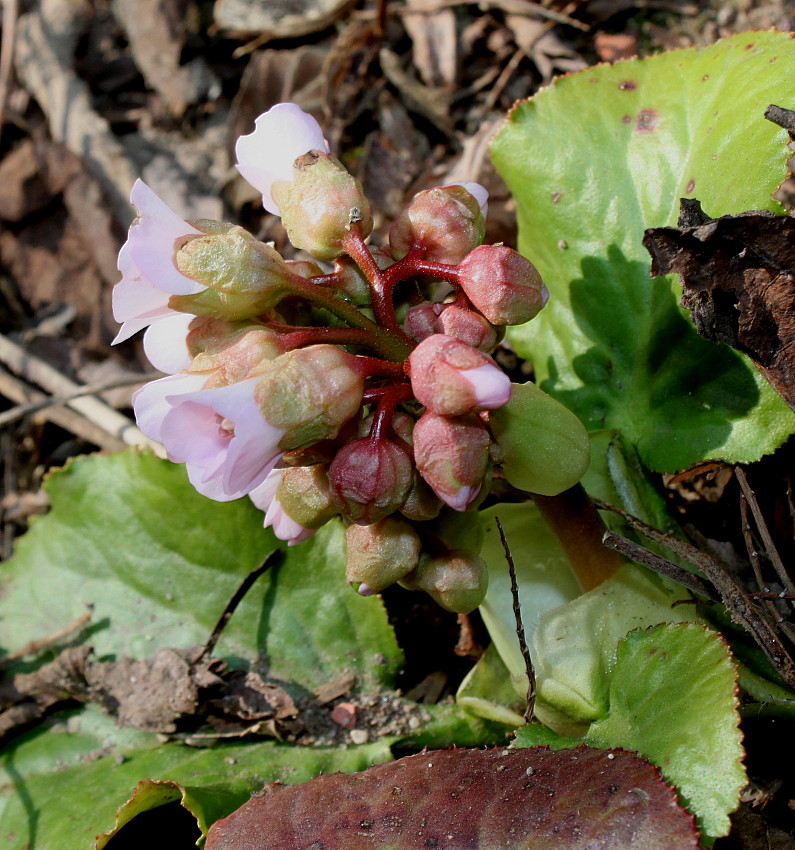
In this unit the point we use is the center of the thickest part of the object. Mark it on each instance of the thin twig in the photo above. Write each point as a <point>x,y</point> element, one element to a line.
<point>10,16</point>
<point>761,525</point>
<point>237,598</point>
<point>16,413</point>
<point>517,613</point>
<point>741,610</point>
<point>35,646</point>
<point>661,565</point>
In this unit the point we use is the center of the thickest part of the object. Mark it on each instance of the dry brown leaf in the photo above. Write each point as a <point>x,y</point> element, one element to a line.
<point>434,43</point>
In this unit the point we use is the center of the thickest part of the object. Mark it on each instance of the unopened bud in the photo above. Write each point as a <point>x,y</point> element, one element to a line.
<point>351,280</point>
<point>421,503</point>
<point>452,455</point>
<point>244,277</point>
<point>421,320</point>
<point>378,555</point>
<point>456,580</point>
<point>370,478</point>
<point>320,204</point>
<point>304,268</point>
<point>544,445</point>
<point>234,350</point>
<point>304,495</point>
<point>502,284</point>
<point>451,378</point>
<point>468,326</point>
<point>444,223</point>
<point>309,394</point>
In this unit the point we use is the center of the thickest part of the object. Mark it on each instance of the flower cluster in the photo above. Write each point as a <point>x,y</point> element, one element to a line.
<point>364,388</point>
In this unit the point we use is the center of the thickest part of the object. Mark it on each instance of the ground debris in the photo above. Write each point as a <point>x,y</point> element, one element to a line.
<point>738,281</point>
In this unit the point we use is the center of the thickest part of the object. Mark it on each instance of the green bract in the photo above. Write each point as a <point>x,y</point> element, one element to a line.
<point>595,159</point>
<point>544,445</point>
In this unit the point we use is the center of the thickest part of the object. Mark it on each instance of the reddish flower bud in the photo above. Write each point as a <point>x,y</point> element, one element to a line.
<point>445,223</point>
<point>452,455</point>
<point>421,320</point>
<point>451,378</point>
<point>468,326</point>
<point>378,555</point>
<point>370,478</point>
<point>502,284</point>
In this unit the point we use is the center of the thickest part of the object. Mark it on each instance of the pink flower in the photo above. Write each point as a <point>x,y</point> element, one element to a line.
<point>284,526</point>
<point>219,433</point>
<point>150,278</point>
<point>450,377</point>
<point>280,136</point>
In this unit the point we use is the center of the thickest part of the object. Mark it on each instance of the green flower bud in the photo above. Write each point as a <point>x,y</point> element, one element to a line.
<point>378,555</point>
<point>232,349</point>
<point>319,205</point>
<point>544,445</point>
<point>457,580</point>
<point>244,277</point>
<point>304,495</point>
<point>309,393</point>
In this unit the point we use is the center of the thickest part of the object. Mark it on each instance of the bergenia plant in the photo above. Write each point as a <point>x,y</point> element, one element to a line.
<point>364,388</point>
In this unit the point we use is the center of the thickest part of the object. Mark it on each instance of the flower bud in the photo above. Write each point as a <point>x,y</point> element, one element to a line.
<point>544,445</point>
<point>309,394</point>
<point>304,495</point>
<point>444,223</point>
<point>421,503</point>
<point>456,580</point>
<point>422,320</point>
<point>450,377</point>
<point>502,284</point>
<point>244,277</point>
<point>234,350</point>
<point>320,203</point>
<point>378,555</point>
<point>370,478</point>
<point>351,280</point>
<point>304,268</point>
<point>452,455</point>
<point>468,326</point>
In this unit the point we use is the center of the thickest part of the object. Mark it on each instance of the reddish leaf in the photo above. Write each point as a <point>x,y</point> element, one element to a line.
<point>478,799</point>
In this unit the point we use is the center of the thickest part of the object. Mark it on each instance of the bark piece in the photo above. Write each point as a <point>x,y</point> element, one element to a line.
<point>738,282</point>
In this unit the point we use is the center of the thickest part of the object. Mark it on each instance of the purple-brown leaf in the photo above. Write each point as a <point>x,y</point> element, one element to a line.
<point>470,800</point>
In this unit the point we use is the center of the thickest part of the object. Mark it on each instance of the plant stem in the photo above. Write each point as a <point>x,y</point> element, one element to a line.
<point>576,523</point>
<point>380,285</point>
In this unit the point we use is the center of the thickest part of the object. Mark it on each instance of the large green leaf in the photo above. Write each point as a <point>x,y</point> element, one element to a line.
<point>673,698</point>
<point>595,159</point>
<point>49,804</point>
<point>130,536</point>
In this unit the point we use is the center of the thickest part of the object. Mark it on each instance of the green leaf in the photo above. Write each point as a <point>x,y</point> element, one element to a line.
<point>592,161</point>
<point>487,691</point>
<point>673,698</point>
<point>63,806</point>
<point>129,535</point>
<point>575,644</point>
<point>543,575</point>
<point>526,799</point>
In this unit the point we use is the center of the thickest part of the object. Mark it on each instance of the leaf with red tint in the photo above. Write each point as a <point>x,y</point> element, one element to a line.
<point>470,800</point>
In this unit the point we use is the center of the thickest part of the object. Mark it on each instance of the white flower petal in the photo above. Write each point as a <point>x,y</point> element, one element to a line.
<point>280,136</point>
<point>150,402</point>
<point>165,342</point>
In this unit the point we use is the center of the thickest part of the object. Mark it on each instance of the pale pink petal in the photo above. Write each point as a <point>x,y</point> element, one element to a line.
<point>150,403</point>
<point>461,499</point>
<point>280,136</point>
<point>263,495</point>
<point>135,301</point>
<point>284,527</point>
<point>254,451</point>
<point>491,386</point>
<point>165,342</point>
<point>479,193</point>
<point>151,240</point>
<point>210,484</point>
<point>191,433</point>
